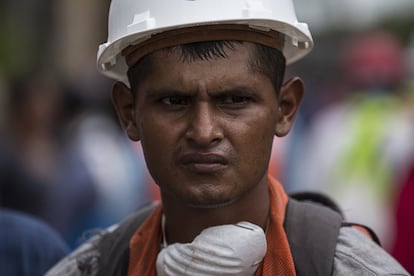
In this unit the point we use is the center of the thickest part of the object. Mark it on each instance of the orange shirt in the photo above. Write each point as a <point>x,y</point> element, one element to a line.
<point>146,241</point>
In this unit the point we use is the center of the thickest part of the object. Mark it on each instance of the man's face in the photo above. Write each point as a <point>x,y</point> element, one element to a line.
<point>206,127</point>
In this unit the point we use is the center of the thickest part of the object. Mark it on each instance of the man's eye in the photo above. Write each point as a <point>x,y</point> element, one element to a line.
<point>175,100</point>
<point>234,99</point>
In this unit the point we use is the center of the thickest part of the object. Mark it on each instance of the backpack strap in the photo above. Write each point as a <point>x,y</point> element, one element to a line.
<point>114,246</point>
<point>312,231</point>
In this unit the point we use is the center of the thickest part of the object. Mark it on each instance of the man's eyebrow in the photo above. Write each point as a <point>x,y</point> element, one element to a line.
<point>238,90</point>
<point>165,92</point>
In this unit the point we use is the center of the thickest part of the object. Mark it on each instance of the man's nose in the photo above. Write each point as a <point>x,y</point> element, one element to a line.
<point>204,127</point>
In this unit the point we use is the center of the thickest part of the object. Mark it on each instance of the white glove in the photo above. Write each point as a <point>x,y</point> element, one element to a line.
<point>235,249</point>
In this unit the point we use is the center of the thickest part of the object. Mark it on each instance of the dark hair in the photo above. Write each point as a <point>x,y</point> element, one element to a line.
<point>266,60</point>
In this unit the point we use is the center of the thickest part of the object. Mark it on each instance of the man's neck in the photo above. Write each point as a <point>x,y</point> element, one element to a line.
<point>184,223</point>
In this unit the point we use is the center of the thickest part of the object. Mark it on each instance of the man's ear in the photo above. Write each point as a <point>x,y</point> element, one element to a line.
<point>290,97</point>
<point>124,104</point>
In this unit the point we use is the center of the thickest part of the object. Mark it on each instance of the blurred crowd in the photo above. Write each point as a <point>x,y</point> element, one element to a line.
<point>63,156</point>
<point>65,160</point>
<point>357,144</point>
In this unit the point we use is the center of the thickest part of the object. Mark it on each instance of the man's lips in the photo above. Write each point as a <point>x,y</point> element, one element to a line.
<point>203,162</point>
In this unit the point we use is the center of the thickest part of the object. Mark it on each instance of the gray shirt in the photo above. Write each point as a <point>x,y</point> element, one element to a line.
<point>357,255</point>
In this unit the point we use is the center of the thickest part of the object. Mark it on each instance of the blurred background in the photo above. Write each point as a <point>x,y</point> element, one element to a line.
<point>64,158</point>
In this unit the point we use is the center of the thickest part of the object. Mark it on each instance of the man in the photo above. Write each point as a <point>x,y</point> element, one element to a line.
<point>199,83</point>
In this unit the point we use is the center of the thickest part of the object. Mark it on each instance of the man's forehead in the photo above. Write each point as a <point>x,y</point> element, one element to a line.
<point>227,53</point>
<point>167,68</point>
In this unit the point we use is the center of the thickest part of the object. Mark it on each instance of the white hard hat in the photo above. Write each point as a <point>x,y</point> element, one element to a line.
<point>132,22</point>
